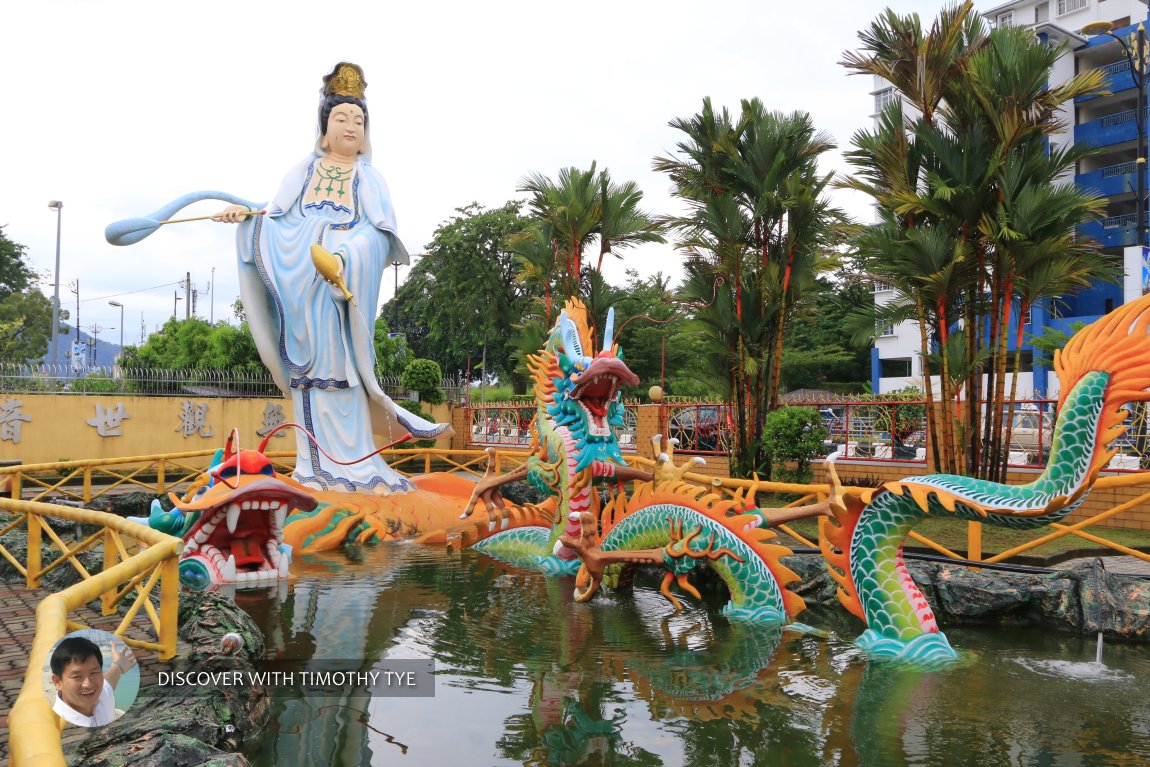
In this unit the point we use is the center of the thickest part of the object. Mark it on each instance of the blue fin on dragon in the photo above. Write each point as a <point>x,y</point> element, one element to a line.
<point>1102,368</point>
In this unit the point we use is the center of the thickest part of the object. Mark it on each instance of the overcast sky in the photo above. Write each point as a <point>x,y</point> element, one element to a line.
<point>116,108</point>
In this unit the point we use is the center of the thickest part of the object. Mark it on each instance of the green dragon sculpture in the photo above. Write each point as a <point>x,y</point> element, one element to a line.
<point>1103,367</point>
<point>662,521</point>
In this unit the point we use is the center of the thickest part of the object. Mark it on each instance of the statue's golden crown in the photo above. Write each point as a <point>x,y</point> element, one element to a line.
<point>345,80</point>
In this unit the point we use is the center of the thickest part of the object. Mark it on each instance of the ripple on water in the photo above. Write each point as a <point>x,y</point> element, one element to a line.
<point>1078,671</point>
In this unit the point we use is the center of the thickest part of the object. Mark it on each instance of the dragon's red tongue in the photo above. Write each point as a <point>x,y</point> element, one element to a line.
<point>247,552</point>
<point>597,407</point>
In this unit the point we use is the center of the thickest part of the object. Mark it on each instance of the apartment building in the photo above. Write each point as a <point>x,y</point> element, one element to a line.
<point>1107,122</point>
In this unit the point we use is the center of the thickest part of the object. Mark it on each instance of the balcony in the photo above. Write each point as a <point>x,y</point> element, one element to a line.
<point>1110,181</point>
<point>1112,129</point>
<point>1112,232</point>
<point>1118,79</point>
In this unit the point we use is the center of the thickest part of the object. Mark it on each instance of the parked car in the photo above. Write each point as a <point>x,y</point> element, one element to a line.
<point>702,428</point>
<point>1030,429</point>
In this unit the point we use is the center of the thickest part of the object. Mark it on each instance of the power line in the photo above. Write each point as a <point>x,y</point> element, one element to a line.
<point>130,292</point>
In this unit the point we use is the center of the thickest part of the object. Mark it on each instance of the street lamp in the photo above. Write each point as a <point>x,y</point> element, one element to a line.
<point>57,206</point>
<point>1137,61</point>
<point>121,306</point>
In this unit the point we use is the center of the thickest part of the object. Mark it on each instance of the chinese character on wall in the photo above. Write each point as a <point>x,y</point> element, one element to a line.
<point>194,419</point>
<point>273,417</point>
<point>10,419</point>
<point>108,421</point>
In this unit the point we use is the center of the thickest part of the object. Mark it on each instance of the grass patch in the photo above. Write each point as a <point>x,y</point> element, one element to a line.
<point>951,533</point>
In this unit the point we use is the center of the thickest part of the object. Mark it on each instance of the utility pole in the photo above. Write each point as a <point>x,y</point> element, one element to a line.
<point>143,330</point>
<point>187,295</point>
<point>95,329</point>
<point>212,293</point>
<point>57,206</point>
<point>75,288</point>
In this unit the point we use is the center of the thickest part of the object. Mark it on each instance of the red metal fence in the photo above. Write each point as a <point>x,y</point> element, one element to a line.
<point>857,430</point>
<point>510,425</point>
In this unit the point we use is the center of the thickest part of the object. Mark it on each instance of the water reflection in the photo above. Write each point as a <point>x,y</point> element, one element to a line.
<point>526,676</point>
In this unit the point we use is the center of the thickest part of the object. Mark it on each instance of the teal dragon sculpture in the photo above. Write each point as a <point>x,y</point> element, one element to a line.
<point>592,522</point>
<point>1102,368</point>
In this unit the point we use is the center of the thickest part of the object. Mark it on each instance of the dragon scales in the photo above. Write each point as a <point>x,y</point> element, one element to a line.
<point>661,521</point>
<point>1103,367</point>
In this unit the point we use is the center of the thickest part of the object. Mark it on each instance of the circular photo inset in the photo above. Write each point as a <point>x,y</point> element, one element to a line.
<point>91,678</point>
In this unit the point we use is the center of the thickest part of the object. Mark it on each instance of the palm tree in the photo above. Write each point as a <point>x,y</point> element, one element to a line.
<point>970,169</point>
<point>572,208</point>
<point>759,224</point>
<point>622,224</point>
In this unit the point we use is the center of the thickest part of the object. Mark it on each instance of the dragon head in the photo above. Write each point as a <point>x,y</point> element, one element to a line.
<point>233,521</point>
<point>580,391</point>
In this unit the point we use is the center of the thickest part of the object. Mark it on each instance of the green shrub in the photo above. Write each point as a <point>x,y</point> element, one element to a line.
<point>794,435</point>
<point>424,376</point>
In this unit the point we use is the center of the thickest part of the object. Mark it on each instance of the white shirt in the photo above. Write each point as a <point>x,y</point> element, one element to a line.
<point>104,713</point>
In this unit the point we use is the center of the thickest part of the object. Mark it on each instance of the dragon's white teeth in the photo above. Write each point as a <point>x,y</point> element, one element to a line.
<point>246,505</point>
<point>191,546</point>
<point>280,516</point>
<point>283,566</point>
<point>228,571</point>
<point>208,528</point>
<point>234,516</point>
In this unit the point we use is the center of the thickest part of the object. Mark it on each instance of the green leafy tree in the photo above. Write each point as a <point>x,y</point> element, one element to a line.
<point>424,376</point>
<point>463,294</point>
<point>820,352</point>
<point>391,353</point>
<point>193,344</point>
<point>25,314</point>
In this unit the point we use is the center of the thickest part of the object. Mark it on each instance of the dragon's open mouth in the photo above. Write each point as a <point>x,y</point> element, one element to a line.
<point>596,388</point>
<point>240,537</point>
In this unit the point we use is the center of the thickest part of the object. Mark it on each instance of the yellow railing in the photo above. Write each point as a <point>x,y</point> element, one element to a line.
<point>34,732</point>
<point>813,492</point>
<point>85,481</point>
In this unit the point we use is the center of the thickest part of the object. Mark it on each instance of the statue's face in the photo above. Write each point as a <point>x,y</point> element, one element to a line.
<point>345,130</point>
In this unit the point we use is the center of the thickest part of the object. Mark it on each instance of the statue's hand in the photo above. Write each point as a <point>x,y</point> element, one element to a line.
<point>233,214</point>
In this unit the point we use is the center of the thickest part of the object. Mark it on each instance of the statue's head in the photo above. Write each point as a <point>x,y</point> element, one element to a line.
<point>343,112</point>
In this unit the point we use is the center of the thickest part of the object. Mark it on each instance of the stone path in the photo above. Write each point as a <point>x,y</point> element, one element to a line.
<point>1116,565</point>
<point>17,629</point>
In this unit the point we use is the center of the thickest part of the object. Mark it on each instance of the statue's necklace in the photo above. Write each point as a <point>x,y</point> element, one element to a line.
<point>332,175</point>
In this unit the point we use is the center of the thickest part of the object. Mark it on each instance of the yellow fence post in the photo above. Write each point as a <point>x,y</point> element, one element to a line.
<point>974,541</point>
<point>169,606</point>
<point>111,557</point>
<point>160,478</point>
<point>87,485</point>
<point>32,579</point>
<point>17,485</point>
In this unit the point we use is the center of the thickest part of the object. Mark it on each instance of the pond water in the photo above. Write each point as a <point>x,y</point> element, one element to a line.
<point>526,676</point>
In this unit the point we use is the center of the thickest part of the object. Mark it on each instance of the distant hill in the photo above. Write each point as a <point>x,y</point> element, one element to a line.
<point>103,355</point>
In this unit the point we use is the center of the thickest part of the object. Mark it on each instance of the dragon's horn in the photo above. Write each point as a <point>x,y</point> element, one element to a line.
<point>570,334</point>
<point>229,446</point>
<point>609,330</point>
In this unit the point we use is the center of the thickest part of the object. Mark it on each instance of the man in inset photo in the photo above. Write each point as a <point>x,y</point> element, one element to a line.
<point>84,692</point>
